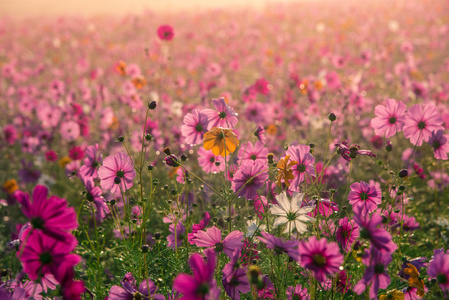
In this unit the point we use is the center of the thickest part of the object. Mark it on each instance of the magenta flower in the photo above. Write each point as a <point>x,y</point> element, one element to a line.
<point>10,134</point>
<point>51,216</point>
<point>250,177</point>
<point>211,238</point>
<point>364,196</point>
<point>224,116</point>
<point>420,122</point>
<point>376,273</point>
<point>346,233</point>
<point>70,130</point>
<point>280,246</point>
<point>195,126</point>
<point>297,293</point>
<point>252,152</point>
<point>165,32</point>
<point>440,144</point>
<point>209,162</point>
<point>197,227</point>
<point>368,228</point>
<point>305,165</point>
<point>42,254</point>
<point>201,285</point>
<point>439,269</point>
<point>129,290</point>
<point>91,162</point>
<point>389,119</point>
<point>320,257</point>
<point>117,173</point>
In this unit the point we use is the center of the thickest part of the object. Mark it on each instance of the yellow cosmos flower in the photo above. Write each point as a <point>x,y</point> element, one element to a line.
<point>64,161</point>
<point>393,294</point>
<point>222,141</point>
<point>285,171</point>
<point>11,186</point>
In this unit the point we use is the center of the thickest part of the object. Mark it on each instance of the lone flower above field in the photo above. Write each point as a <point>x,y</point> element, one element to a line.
<point>165,32</point>
<point>222,141</point>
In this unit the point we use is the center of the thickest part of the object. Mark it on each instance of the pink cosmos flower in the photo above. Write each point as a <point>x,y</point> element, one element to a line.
<point>117,173</point>
<point>439,269</point>
<point>165,32</point>
<point>51,155</point>
<point>43,254</point>
<point>129,290</point>
<point>211,238</point>
<point>365,196</point>
<point>197,227</point>
<point>224,116</point>
<point>201,285</point>
<point>420,121</point>
<point>94,194</point>
<point>208,161</point>
<point>249,178</point>
<point>195,126</point>
<point>376,273</point>
<point>389,119</point>
<point>252,152</point>
<point>262,86</point>
<point>235,280</point>
<point>70,130</point>
<point>50,215</point>
<point>10,134</point>
<point>320,257</point>
<point>91,162</point>
<point>346,233</point>
<point>305,165</point>
<point>440,143</point>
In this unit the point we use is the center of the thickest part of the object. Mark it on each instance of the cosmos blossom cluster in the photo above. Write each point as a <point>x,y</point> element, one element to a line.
<point>225,174</point>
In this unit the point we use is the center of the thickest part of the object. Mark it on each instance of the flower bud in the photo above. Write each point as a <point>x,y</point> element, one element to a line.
<point>145,248</point>
<point>270,158</point>
<point>403,173</point>
<point>152,105</point>
<point>167,150</point>
<point>120,139</point>
<point>332,117</point>
<point>388,147</point>
<point>172,161</point>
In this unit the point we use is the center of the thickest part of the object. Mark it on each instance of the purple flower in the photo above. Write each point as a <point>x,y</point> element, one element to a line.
<point>201,285</point>
<point>320,257</point>
<point>235,280</point>
<point>94,194</point>
<point>279,246</point>
<point>260,134</point>
<point>178,236</point>
<point>249,178</point>
<point>211,238</point>
<point>346,233</point>
<point>117,173</point>
<point>376,273</point>
<point>350,152</point>
<point>364,196</point>
<point>129,290</point>
<point>368,226</point>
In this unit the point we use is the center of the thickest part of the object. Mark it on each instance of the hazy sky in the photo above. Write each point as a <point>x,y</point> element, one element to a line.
<point>21,8</point>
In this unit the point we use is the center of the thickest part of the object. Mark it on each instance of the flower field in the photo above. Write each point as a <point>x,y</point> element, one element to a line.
<point>293,151</point>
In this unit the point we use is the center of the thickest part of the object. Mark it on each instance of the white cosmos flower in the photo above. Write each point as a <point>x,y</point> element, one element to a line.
<point>291,212</point>
<point>252,227</point>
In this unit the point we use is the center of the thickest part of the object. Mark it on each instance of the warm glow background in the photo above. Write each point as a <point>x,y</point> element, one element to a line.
<point>24,8</point>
